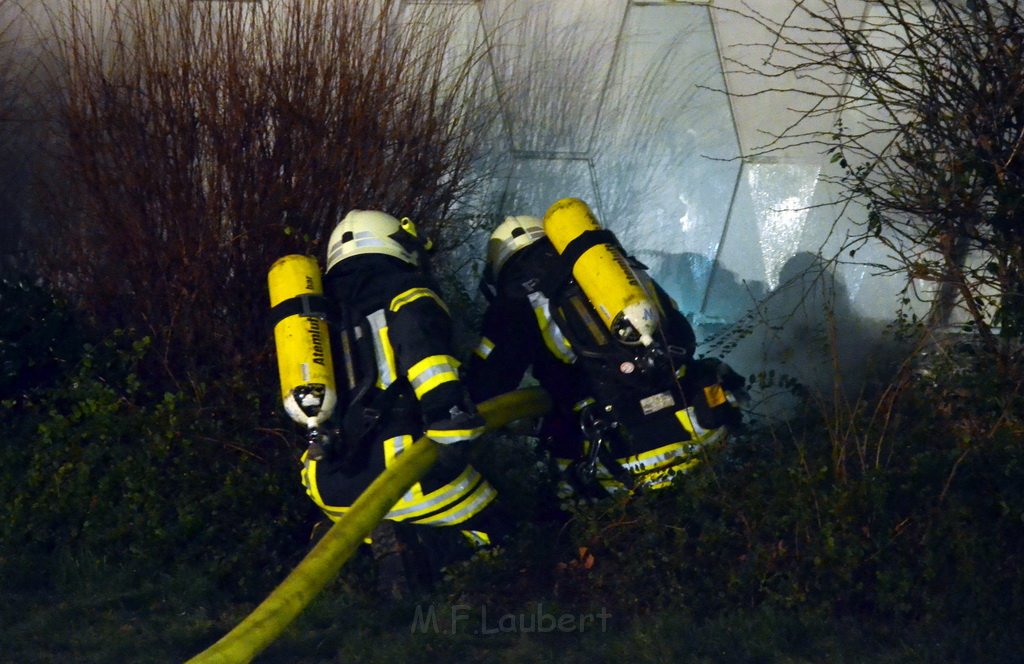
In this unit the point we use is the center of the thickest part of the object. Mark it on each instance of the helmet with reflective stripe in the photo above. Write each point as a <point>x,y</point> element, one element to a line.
<point>511,236</point>
<point>373,232</point>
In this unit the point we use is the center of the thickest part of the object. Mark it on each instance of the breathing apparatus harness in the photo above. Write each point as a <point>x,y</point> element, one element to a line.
<point>616,363</point>
<point>599,432</point>
<point>351,335</point>
<point>600,312</point>
<point>363,413</point>
<point>614,359</point>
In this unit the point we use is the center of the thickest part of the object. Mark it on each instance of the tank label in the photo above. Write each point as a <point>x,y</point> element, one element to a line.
<point>656,402</point>
<point>627,271</point>
<point>316,339</point>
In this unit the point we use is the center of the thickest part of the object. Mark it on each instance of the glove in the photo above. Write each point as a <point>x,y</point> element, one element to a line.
<point>718,390</point>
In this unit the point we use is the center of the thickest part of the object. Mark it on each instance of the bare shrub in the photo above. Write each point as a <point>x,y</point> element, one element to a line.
<point>8,73</point>
<point>13,145</point>
<point>201,141</point>
<point>923,113</point>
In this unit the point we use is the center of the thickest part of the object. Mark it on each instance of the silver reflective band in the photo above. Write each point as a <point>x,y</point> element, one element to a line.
<point>439,369</point>
<point>367,239</point>
<point>361,240</point>
<point>449,494</point>
<point>515,243</point>
<point>554,339</point>
<point>378,328</point>
<point>448,436</point>
<point>485,494</point>
<point>653,462</point>
<point>484,348</point>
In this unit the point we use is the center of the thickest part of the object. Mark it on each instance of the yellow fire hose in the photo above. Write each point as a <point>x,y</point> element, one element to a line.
<point>322,563</point>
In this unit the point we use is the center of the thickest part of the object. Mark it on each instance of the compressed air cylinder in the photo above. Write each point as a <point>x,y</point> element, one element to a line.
<point>604,275</point>
<point>301,337</point>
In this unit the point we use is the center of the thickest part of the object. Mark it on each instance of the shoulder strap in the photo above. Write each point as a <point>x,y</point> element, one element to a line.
<point>364,412</point>
<point>312,306</point>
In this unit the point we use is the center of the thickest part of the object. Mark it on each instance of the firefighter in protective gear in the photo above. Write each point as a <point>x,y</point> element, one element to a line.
<point>624,417</point>
<point>397,378</point>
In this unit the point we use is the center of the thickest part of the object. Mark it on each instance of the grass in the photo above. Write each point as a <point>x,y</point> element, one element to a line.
<point>152,621</point>
<point>117,618</point>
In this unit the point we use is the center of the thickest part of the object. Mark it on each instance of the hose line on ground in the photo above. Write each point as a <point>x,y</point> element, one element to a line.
<point>323,562</point>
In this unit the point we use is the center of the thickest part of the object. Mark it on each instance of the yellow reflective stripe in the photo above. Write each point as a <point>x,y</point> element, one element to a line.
<point>333,513</point>
<point>688,418</point>
<point>447,436</point>
<point>658,457</point>
<point>454,435</point>
<point>477,538</point>
<point>484,348</point>
<point>308,476</point>
<point>465,509</point>
<point>309,481</point>
<point>439,498</point>
<point>304,473</point>
<point>660,479</point>
<point>582,403</point>
<point>383,351</point>
<point>552,334</point>
<point>653,469</point>
<point>414,294</point>
<point>392,448</point>
<point>432,371</point>
<point>700,435</point>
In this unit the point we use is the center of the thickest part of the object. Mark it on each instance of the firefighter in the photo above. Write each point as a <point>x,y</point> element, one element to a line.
<point>632,405</point>
<point>391,334</point>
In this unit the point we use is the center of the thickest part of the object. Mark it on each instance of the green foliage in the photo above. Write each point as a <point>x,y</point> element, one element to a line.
<point>39,337</point>
<point>909,530</point>
<point>916,535</point>
<point>105,474</point>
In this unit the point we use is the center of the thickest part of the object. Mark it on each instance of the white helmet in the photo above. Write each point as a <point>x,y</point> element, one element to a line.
<point>373,232</point>
<point>511,236</point>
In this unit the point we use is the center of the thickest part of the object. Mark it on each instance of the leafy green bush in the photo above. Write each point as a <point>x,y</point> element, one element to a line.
<point>39,337</point>
<point>103,473</point>
<point>915,528</point>
<point>923,539</point>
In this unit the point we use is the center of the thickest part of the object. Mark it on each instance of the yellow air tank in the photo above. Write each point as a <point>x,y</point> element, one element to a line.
<point>303,346</point>
<point>604,275</point>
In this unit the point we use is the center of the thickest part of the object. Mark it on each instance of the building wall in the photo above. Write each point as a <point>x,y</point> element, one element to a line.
<point>656,114</point>
<point>660,116</point>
